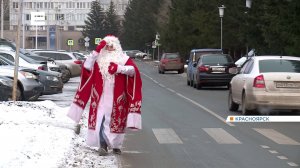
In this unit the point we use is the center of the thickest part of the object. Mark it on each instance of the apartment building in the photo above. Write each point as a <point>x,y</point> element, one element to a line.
<point>64,20</point>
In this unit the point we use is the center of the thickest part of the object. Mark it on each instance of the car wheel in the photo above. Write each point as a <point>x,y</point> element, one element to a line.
<point>198,86</point>
<point>180,71</point>
<point>66,76</point>
<point>245,110</point>
<point>232,106</point>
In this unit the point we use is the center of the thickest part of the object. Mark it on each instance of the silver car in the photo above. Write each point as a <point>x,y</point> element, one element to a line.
<point>24,60</point>
<point>29,88</point>
<point>266,83</point>
<point>72,62</point>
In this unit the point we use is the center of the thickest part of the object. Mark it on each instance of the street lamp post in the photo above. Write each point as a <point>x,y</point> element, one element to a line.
<point>248,5</point>
<point>221,13</point>
<point>157,38</point>
<point>2,18</point>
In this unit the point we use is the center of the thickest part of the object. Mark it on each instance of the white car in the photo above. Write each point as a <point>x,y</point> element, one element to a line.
<point>266,83</point>
<point>24,61</point>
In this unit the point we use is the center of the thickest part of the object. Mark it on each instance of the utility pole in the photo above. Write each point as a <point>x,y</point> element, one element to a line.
<point>17,53</point>
<point>2,18</point>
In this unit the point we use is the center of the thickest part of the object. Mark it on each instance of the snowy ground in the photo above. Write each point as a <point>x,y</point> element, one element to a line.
<point>38,134</point>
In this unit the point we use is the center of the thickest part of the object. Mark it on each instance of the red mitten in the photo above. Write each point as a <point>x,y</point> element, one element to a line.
<point>112,68</point>
<point>100,45</point>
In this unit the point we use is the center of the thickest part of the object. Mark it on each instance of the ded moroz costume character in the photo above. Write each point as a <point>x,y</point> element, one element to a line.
<point>112,82</point>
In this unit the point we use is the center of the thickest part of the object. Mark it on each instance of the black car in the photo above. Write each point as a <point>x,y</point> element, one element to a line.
<point>193,58</point>
<point>212,70</point>
<point>6,87</point>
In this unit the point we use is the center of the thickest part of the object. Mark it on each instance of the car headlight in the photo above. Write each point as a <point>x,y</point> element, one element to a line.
<point>28,75</point>
<point>6,83</point>
<point>52,78</point>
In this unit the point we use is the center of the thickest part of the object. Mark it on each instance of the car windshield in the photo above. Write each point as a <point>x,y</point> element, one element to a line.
<point>172,56</point>
<point>6,61</point>
<point>222,59</point>
<point>198,54</point>
<point>27,59</point>
<point>279,65</point>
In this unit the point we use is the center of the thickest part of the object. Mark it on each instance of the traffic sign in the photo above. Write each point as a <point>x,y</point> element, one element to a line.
<point>153,44</point>
<point>70,42</point>
<point>86,39</point>
<point>97,40</point>
<point>86,44</point>
<point>37,18</point>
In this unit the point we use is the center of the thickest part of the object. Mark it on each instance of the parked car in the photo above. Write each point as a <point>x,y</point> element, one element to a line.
<point>73,64</point>
<point>29,87</point>
<point>51,81</point>
<point>79,55</point>
<point>141,54</point>
<point>212,70</point>
<point>266,82</point>
<point>24,60</point>
<point>170,62</point>
<point>53,66</point>
<point>131,53</point>
<point>6,87</point>
<point>193,58</point>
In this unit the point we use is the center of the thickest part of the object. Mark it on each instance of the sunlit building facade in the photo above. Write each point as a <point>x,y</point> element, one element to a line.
<point>64,18</point>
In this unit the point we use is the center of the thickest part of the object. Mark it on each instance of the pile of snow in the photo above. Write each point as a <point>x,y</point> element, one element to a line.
<point>39,134</point>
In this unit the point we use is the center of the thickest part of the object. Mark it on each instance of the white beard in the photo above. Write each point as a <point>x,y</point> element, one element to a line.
<point>104,59</point>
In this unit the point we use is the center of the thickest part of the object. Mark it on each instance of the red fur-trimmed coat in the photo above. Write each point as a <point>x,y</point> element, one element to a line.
<point>127,99</point>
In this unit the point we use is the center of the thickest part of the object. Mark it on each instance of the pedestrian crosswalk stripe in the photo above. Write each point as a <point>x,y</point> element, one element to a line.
<point>276,136</point>
<point>221,136</point>
<point>166,136</point>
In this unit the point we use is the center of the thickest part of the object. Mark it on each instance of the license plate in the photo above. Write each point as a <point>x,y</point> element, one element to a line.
<point>218,69</point>
<point>287,84</point>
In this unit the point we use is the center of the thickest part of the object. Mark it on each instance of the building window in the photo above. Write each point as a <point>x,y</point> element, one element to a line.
<point>15,5</point>
<point>28,17</point>
<point>59,17</point>
<point>71,28</point>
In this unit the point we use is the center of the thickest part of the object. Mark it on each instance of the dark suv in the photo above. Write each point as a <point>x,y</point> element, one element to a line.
<point>193,58</point>
<point>212,69</point>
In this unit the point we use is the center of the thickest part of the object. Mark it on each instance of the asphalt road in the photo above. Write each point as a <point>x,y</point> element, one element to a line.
<point>185,127</point>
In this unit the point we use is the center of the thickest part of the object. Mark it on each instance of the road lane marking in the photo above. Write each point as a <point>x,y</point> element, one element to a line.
<point>292,164</point>
<point>166,136</point>
<point>265,147</point>
<point>282,157</point>
<point>161,85</point>
<point>273,151</point>
<point>276,136</point>
<point>195,103</point>
<point>207,110</point>
<point>221,136</point>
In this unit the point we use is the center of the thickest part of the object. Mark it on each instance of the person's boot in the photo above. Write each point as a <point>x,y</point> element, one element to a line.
<point>117,151</point>
<point>103,150</point>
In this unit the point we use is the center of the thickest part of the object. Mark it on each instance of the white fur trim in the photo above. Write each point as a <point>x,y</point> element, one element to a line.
<point>92,138</point>
<point>94,53</point>
<point>134,121</point>
<point>126,70</point>
<point>75,112</point>
<point>89,62</point>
